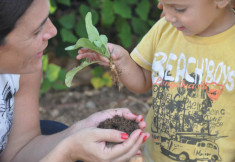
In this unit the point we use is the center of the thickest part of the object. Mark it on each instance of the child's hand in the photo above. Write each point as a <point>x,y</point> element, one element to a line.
<point>118,55</point>
<point>92,56</point>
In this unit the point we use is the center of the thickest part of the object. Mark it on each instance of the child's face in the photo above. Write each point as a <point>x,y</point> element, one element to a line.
<point>192,17</point>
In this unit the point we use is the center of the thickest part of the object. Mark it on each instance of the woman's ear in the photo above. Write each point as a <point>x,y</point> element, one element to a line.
<point>222,3</point>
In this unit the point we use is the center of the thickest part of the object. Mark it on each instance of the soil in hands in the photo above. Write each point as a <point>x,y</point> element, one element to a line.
<point>119,123</point>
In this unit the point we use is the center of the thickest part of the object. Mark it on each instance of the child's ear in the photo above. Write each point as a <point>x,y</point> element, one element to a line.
<point>222,3</point>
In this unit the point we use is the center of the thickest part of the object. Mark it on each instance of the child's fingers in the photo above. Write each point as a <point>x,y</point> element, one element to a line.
<point>85,55</point>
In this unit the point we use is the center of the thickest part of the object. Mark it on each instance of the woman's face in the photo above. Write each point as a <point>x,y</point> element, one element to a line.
<point>24,46</point>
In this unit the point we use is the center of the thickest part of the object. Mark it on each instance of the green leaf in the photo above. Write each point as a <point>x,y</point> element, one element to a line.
<point>61,75</point>
<point>121,8</point>
<point>95,3</point>
<point>92,32</point>
<point>143,9</point>
<point>44,62</point>
<point>68,21</point>
<point>52,72</point>
<point>94,36</point>
<point>107,13</point>
<point>84,42</point>
<point>80,28</point>
<point>70,75</point>
<point>139,26</point>
<point>45,86</point>
<point>125,34</point>
<point>64,2</point>
<point>84,9</point>
<point>53,6</point>
<point>67,36</point>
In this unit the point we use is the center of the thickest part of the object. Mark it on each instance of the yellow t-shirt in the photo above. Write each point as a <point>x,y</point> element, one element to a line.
<point>193,111</point>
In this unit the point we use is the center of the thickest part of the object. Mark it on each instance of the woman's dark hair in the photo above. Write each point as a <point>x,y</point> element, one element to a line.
<point>10,12</point>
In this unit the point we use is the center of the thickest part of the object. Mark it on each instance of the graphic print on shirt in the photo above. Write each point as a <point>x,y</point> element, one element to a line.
<point>6,114</point>
<point>185,123</point>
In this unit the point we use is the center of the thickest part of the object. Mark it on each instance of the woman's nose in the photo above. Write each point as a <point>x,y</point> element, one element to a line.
<point>51,31</point>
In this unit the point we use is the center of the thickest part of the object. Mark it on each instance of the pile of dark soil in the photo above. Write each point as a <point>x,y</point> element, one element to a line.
<point>119,123</point>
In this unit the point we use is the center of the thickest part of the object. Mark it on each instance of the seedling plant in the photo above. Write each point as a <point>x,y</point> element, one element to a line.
<point>94,42</point>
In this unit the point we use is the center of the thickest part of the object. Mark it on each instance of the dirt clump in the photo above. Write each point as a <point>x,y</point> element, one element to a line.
<point>119,123</point>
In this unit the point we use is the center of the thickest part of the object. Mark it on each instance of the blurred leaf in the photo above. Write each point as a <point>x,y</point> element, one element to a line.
<point>125,34</point>
<point>95,3</point>
<point>44,62</point>
<point>107,13</point>
<point>97,82</point>
<point>132,1</point>
<point>107,79</point>
<point>97,72</point>
<point>84,9</point>
<point>58,86</point>
<point>52,72</point>
<point>45,86</point>
<point>151,22</point>
<point>80,28</point>
<point>67,36</point>
<point>62,74</point>
<point>140,27</point>
<point>53,6</point>
<point>70,75</point>
<point>143,9</point>
<point>64,2</point>
<point>67,21</point>
<point>121,8</point>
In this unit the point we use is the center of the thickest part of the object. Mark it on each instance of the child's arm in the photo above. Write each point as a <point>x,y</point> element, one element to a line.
<point>134,77</point>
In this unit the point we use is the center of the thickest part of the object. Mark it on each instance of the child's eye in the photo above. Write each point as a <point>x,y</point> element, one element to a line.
<point>180,10</point>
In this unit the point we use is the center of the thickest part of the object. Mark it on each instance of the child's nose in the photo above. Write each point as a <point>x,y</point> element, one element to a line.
<point>170,17</point>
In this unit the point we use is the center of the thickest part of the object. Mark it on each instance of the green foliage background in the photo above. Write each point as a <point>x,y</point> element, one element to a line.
<point>124,22</point>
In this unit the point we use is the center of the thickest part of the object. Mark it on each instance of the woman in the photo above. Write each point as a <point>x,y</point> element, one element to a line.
<point>24,33</point>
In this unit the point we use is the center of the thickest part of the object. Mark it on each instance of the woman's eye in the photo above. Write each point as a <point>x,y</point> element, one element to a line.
<point>180,9</point>
<point>38,31</point>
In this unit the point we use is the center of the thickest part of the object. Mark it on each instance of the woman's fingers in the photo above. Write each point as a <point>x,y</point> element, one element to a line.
<point>110,135</point>
<point>135,148</point>
<point>138,139</point>
<point>121,149</point>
